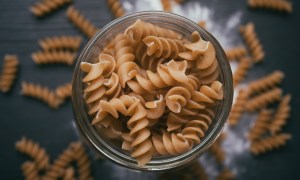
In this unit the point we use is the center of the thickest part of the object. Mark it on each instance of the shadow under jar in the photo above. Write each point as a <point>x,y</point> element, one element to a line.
<point>112,149</point>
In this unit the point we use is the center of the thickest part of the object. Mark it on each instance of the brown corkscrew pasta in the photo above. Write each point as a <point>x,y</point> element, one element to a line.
<point>278,5</point>
<point>81,22</point>
<point>69,174</point>
<point>41,93</point>
<point>266,82</point>
<point>269,143</point>
<point>49,57</point>
<point>116,8</point>
<point>30,171</point>
<point>9,72</point>
<point>238,107</point>
<point>236,53</point>
<point>64,91</point>
<point>242,70</point>
<point>202,24</point>
<point>44,7</point>
<point>252,41</point>
<point>261,125</point>
<point>60,42</point>
<point>225,174</point>
<point>166,4</point>
<point>281,115</point>
<point>264,99</point>
<point>33,149</point>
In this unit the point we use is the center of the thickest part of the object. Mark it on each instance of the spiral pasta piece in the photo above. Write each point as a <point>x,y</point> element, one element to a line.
<point>266,82</point>
<point>141,29</point>
<point>264,99</point>
<point>202,24</point>
<point>81,22</point>
<point>60,42</point>
<point>238,108</point>
<point>9,72</point>
<point>281,115</point>
<point>166,5</point>
<point>176,98</point>
<point>124,52</point>
<point>83,162</point>
<point>113,87</point>
<point>44,7</point>
<point>30,171</point>
<point>242,70</point>
<point>35,151</point>
<point>252,41</point>
<point>64,91</point>
<point>116,8</point>
<point>163,47</point>
<point>42,93</point>
<point>226,174</point>
<point>277,5</point>
<point>49,57</point>
<point>261,125</point>
<point>175,121</point>
<point>69,174</point>
<point>269,143</point>
<point>236,53</point>
<point>214,91</point>
<point>155,109</point>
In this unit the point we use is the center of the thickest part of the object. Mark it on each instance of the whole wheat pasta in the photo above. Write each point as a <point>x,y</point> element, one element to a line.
<point>236,53</point>
<point>266,82</point>
<point>269,143</point>
<point>9,72</point>
<point>116,8</point>
<point>30,171</point>
<point>83,162</point>
<point>261,125</point>
<point>281,115</point>
<point>44,7</point>
<point>166,4</point>
<point>60,42</point>
<point>49,57</point>
<point>69,174</point>
<point>64,91</point>
<point>81,22</point>
<point>225,174</point>
<point>42,93</point>
<point>277,5</point>
<point>33,149</point>
<point>264,99</point>
<point>238,107</point>
<point>252,41</point>
<point>242,70</point>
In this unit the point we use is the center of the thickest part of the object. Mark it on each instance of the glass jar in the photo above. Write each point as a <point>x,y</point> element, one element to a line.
<point>91,51</point>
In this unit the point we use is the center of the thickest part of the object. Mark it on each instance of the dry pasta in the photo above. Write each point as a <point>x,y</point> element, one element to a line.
<point>266,82</point>
<point>261,125</point>
<point>281,115</point>
<point>83,162</point>
<point>60,42</point>
<point>236,53</point>
<point>242,70</point>
<point>269,143</point>
<point>278,5</point>
<point>264,99</point>
<point>44,7</point>
<point>218,152</point>
<point>42,93</point>
<point>69,174</point>
<point>64,91</point>
<point>167,6</point>
<point>49,57</point>
<point>116,8</point>
<point>33,149</point>
<point>202,24</point>
<point>238,108</point>
<point>30,171</point>
<point>252,41</point>
<point>81,22</point>
<point>9,72</point>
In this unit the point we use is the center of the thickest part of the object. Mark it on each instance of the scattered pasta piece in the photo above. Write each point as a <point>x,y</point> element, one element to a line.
<point>278,5</point>
<point>202,24</point>
<point>69,174</point>
<point>238,107</point>
<point>30,171</point>
<point>60,42</point>
<point>261,125</point>
<point>116,8</point>
<point>266,82</point>
<point>49,57</point>
<point>252,41</point>
<point>264,99</point>
<point>44,7</point>
<point>81,22</point>
<point>242,70</point>
<point>167,6</point>
<point>236,53</point>
<point>64,91</point>
<point>9,72</point>
<point>281,115</point>
<point>83,161</point>
<point>269,143</point>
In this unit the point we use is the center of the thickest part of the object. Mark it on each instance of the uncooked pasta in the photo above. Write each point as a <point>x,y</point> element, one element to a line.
<point>60,42</point>
<point>277,5</point>
<point>242,70</point>
<point>238,107</point>
<point>261,125</point>
<point>30,171</point>
<point>53,57</point>
<point>9,72</point>
<point>236,53</point>
<point>116,8</point>
<point>44,7</point>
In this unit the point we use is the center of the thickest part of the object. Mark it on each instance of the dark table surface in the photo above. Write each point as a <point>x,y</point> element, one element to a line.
<point>54,129</point>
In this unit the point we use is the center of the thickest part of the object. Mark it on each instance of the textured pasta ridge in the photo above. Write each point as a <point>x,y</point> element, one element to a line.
<point>9,72</point>
<point>261,125</point>
<point>262,100</point>
<point>281,115</point>
<point>44,7</point>
<point>60,42</point>
<point>30,171</point>
<point>64,91</point>
<point>278,5</point>
<point>238,108</point>
<point>242,70</point>
<point>269,143</point>
<point>80,21</point>
<point>252,41</point>
<point>236,53</point>
<point>49,57</point>
<point>69,174</point>
<point>116,8</point>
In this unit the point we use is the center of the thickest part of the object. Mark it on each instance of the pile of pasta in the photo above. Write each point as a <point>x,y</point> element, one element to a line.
<point>40,167</point>
<point>162,87</point>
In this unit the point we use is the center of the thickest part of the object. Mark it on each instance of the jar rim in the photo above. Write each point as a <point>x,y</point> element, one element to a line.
<point>99,144</point>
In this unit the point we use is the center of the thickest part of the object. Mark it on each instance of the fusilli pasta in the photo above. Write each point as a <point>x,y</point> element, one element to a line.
<point>238,107</point>
<point>30,171</point>
<point>49,57</point>
<point>83,162</point>
<point>242,70</point>
<point>60,42</point>
<point>116,8</point>
<point>64,91</point>
<point>261,125</point>
<point>69,174</point>
<point>278,5</point>
<point>167,6</point>
<point>236,53</point>
<point>9,72</point>
<point>44,7</point>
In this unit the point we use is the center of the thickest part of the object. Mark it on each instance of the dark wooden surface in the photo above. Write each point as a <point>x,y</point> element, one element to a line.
<point>54,129</point>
